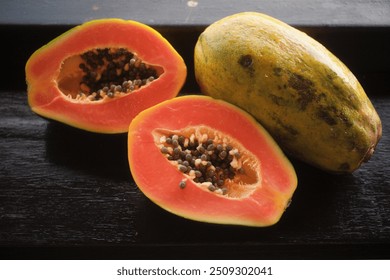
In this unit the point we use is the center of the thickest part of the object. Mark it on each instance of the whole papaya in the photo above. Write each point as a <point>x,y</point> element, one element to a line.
<point>306,98</point>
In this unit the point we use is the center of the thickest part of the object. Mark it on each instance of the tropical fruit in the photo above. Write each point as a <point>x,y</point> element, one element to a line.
<point>306,98</point>
<point>208,160</point>
<point>98,76</point>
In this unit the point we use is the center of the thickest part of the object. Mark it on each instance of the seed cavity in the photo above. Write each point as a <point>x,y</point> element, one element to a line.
<point>215,162</point>
<point>103,74</point>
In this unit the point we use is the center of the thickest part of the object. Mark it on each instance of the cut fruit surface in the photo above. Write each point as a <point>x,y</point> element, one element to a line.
<point>207,160</point>
<point>98,76</point>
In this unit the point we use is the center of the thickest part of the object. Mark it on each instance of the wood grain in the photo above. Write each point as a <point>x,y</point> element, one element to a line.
<point>64,191</point>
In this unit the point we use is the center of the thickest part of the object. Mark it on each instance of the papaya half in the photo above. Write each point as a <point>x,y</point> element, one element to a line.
<point>99,75</point>
<point>207,160</point>
<point>309,101</point>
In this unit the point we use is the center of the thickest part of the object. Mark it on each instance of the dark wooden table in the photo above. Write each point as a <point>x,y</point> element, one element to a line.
<point>66,193</point>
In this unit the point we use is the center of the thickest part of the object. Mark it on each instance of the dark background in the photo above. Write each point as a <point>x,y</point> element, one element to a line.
<point>66,193</point>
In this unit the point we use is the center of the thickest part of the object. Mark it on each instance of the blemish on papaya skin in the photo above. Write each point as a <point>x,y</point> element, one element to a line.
<point>278,100</point>
<point>332,116</point>
<point>330,77</point>
<point>325,115</point>
<point>304,87</point>
<point>344,119</point>
<point>321,96</point>
<point>337,85</point>
<point>246,61</point>
<point>352,144</point>
<point>300,83</point>
<point>277,71</point>
<point>288,128</point>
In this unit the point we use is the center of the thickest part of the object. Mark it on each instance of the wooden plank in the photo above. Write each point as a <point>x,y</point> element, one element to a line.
<point>65,188</point>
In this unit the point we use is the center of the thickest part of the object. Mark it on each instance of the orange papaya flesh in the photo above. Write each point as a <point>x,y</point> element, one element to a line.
<point>207,160</point>
<point>98,76</point>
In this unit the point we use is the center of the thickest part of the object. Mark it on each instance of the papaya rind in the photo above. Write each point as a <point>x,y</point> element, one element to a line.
<point>159,180</point>
<point>114,116</point>
<point>307,99</point>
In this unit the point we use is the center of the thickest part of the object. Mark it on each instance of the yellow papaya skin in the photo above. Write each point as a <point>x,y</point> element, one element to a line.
<point>307,99</point>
